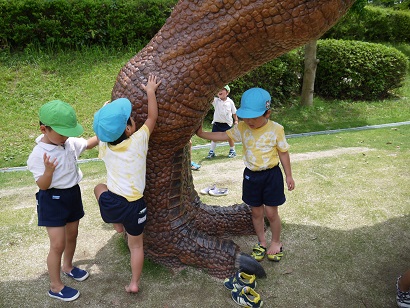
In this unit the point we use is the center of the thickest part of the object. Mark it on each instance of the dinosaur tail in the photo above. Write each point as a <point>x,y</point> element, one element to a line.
<point>249,265</point>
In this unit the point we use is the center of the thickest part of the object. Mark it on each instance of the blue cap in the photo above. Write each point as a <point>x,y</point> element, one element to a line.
<point>111,120</point>
<point>254,103</point>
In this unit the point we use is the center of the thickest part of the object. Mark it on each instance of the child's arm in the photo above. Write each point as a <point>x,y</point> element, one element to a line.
<point>285,161</point>
<point>44,181</point>
<point>214,136</point>
<point>150,88</point>
<point>92,142</point>
<point>235,117</point>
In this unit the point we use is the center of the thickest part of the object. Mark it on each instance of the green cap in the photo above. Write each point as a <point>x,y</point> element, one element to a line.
<point>61,117</point>
<point>227,88</point>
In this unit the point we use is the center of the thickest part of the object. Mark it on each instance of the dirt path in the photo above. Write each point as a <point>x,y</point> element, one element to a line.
<point>337,259</point>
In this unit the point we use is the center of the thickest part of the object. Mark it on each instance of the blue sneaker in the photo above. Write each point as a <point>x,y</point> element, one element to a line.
<point>67,294</point>
<point>239,280</point>
<point>232,153</point>
<point>247,297</point>
<point>211,154</point>
<point>77,274</point>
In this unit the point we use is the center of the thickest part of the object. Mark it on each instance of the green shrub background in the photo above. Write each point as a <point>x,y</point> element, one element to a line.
<point>80,23</point>
<point>374,24</point>
<point>280,77</point>
<point>114,23</point>
<point>346,69</point>
<point>358,70</point>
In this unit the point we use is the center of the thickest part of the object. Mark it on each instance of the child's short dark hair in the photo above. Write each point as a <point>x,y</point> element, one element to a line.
<point>48,127</point>
<point>123,136</point>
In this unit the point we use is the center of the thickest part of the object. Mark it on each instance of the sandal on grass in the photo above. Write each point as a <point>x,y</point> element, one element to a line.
<point>277,256</point>
<point>217,192</point>
<point>205,191</point>
<point>258,252</point>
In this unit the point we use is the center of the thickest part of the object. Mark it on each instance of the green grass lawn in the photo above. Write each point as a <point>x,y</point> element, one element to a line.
<point>345,227</point>
<point>345,232</point>
<point>85,79</point>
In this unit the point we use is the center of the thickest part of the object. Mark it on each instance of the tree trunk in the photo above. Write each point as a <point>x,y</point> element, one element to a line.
<point>309,74</point>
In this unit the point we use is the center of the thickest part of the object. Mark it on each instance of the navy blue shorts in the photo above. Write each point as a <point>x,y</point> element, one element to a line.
<point>117,209</point>
<point>263,187</point>
<point>220,127</point>
<point>57,207</point>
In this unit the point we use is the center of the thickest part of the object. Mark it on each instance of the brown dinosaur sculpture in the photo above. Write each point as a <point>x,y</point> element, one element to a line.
<point>203,46</point>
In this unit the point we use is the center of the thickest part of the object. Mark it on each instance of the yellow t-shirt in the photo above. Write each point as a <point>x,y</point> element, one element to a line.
<point>126,164</point>
<point>260,146</point>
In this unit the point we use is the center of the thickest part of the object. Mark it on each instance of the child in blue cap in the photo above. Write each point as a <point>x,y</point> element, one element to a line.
<point>124,149</point>
<point>264,146</point>
<point>53,163</point>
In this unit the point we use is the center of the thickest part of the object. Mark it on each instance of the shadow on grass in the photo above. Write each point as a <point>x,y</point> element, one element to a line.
<point>322,267</point>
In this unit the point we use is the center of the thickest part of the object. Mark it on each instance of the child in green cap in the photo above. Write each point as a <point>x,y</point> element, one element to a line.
<point>53,163</point>
<point>264,147</point>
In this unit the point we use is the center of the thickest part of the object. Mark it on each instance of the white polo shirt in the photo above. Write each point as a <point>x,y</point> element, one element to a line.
<point>67,173</point>
<point>223,110</point>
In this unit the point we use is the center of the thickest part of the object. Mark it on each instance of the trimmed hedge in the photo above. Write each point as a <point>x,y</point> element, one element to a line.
<point>358,70</point>
<point>74,23</point>
<point>374,24</point>
<point>77,23</point>
<point>347,70</point>
<point>280,77</point>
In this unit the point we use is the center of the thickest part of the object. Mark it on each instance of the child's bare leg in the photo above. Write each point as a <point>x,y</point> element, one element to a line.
<point>136,246</point>
<point>275,227</point>
<point>71,233</point>
<point>98,190</point>
<point>118,227</point>
<point>231,143</point>
<point>57,246</point>
<point>259,224</point>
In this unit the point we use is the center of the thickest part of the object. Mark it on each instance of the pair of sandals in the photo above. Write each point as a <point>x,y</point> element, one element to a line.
<point>214,191</point>
<point>259,252</point>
